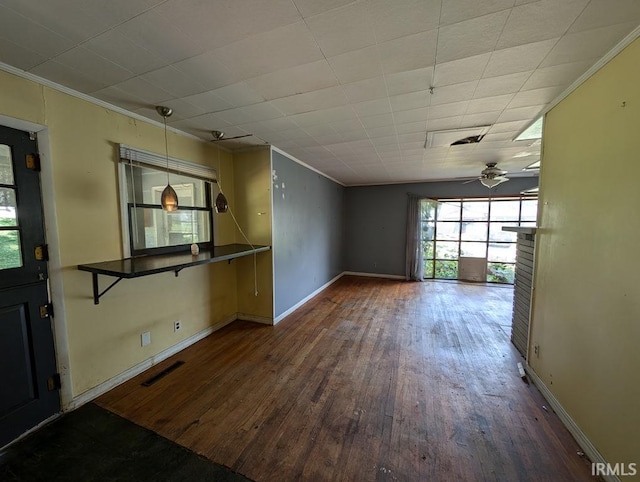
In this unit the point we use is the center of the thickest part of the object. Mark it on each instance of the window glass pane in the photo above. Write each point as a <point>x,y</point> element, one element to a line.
<point>449,211</point>
<point>428,269</point>
<point>427,247</point>
<point>446,250</point>
<point>505,210</point>
<point>475,210</point>
<point>473,250</point>
<point>448,231</point>
<point>502,252</point>
<point>155,228</point>
<point>446,269</point>
<point>10,253</point>
<point>428,229</point>
<point>8,210</point>
<point>428,209</point>
<point>474,231</point>
<point>500,272</point>
<point>529,210</point>
<point>6,168</point>
<point>528,225</point>
<point>149,184</point>
<point>497,234</point>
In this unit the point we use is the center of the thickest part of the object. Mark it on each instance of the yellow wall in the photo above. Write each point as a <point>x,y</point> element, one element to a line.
<point>586,311</point>
<point>253,212</point>
<point>104,340</point>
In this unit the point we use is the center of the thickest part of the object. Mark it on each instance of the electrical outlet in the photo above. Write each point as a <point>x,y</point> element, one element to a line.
<point>145,338</point>
<point>177,325</point>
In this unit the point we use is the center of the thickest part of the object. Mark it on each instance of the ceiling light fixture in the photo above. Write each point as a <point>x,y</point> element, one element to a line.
<point>169,198</point>
<point>221,201</point>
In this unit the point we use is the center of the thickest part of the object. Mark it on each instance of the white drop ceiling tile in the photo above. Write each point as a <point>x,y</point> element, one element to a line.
<point>312,7</point>
<point>587,44</point>
<point>203,124</point>
<point>294,80</point>
<point>557,75</point>
<point>307,142</point>
<point>66,76</point>
<point>406,140</point>
<point>387,149</point>
<point>208,102</point>
<point>413,100</point>
<point>186,125</point>
<point>444,123</point>
<point>518,59</point>
<point>470,37</point>
<point>173,81</point>
<point>503,84</point>
<point>357,65</point>
<point>331,115</point>
<point>267,52</point>
<point>250,113</point>
<point>384,131</point>
<point>207,70</point>
<point>347,125</point>
<point>143,90</point>
<point>94,66</point>
<point>328,139</point>
<point>320,130</point>
<point>462,70</point>
<point>411,127</point>
<point>535,97</point>
<point>502,136</point>
<point>372,107</point>
<point>454,11</point>
<point>19,56</point>
<point>452,109</point>
<point>410,81</point>
<point>354,135</point>
<point>117,48</point>
<point>257,128</point>
<point>506,127</point>
<point>382,120</point>
<point>453,93</point>
<point>542,20</point>
<point>409,53</point>
<point>238,94</point>
<point>152,30</point>
<point>368,89</point>
<point>254,16</point>
<point>30,35</point>
<point>343,29</point>
<point>385,141</point>
<point>489,104</point>
<point>318,99</point>
<point>480,119</point>
<point>520,113</point>
<point>412,115</point>
<point>281,124</point>
<point>403,17</point>
<point>602,13</point>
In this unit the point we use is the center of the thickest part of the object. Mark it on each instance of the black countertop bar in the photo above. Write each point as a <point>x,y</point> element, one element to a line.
<point>152,264</point>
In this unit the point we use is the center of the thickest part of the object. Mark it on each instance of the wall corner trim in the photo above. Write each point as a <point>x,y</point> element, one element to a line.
<point>583,441</point>
<point>307,298</point>
<point>136,370</point>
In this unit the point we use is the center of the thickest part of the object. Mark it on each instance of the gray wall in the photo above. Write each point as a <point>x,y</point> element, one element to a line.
<point>308,221</point>
<point>376,219</point>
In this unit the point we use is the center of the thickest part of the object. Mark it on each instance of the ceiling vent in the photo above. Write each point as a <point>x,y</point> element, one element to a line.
<point>455,137</point>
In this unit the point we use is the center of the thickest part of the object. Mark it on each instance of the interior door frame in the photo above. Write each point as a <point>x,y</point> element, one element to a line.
<point>55,282</point>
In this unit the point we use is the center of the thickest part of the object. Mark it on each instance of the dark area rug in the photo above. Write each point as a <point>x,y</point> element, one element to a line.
<point>93,444</point>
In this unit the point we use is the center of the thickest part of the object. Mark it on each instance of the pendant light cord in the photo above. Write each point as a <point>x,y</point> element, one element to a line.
<point>235,221</point>
<point>166,146</point>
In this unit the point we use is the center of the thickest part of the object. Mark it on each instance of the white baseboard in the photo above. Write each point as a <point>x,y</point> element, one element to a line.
<point>307,298</point>
<point>374,275</point>
<point>583,441</point>
<point>136,370</point>
<point>265,320</point>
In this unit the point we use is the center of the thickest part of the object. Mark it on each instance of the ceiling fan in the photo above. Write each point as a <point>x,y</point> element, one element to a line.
<point>219,136</point>
<point>491,176</point>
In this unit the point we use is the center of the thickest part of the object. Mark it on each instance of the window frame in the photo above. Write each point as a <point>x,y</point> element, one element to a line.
<point>148,160</point>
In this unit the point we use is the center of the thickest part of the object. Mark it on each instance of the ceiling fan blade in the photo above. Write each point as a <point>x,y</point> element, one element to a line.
<point>231,138</point>
<point>471,180</point>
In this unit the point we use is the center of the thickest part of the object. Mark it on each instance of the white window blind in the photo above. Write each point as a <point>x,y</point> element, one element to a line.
<point>140,157</point>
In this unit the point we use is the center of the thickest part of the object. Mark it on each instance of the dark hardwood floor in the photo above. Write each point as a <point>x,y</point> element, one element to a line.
<point>371,380</point>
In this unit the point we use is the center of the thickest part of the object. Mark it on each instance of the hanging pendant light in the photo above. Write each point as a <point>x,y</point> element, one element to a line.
<point>169,198</point>
<point>221,201</point>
